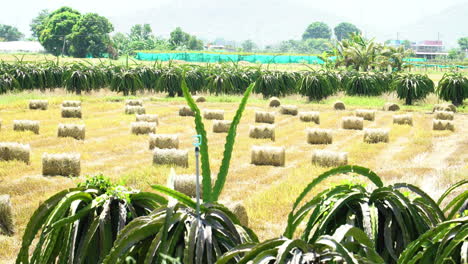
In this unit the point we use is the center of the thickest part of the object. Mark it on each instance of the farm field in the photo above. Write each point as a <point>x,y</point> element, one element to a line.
<point>419,155</point>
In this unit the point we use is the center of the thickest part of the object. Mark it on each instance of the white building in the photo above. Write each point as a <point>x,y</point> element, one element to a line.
<point>21,47</point>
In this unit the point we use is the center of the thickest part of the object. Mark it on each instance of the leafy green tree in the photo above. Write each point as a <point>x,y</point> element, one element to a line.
<point>38,23</point>
<point>317,30</point>
<point>248,46</point>
<point>10,33</point>
<point>463,43</point>
<point>194,43</point>
<point>90,36</point>
<point>456,54</point>
<point>317,45</point>
<point>344,29</point>
<point>178,37</point>
<point>141,32</point>
<point>57,30</point>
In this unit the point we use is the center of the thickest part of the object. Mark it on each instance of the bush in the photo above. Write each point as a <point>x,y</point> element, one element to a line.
<point>317,85</point>
<point>411,87</point>
<point>366,84</point>
<point>453,87</point>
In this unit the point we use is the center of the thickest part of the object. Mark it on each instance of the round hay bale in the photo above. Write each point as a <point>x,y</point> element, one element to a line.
<point>444,115</point>
<point>405,119</point>
<point>221,126</point>
<point>163,141</point>
<point>391,107</point>
<point>338,105</point>
<point>72,130</point>
<point>238,209</point>
<point>200,99</point>
<point>213,114</point>
<point>148,118</point>
<point>262,131</point>
<point>26,125</point>
<point>64,164</point>
<point>376,135</point>
<point>71,112</point>
<point>7,227</point>
<point>352,122</point>
<point>0,124</point>
<point>264,117</point>
<point>134,109</point>
<point>326,158</point>
<point>38,104</point>
<point>186,111</point>
<point>170,157</point>
<point>444,107</point>
<point>186,184</point>
<point>274,102</point>
<point>265,155</point>
<point>443,125</point>
<point>368,115</point>
<point>311,116</point>
<point>15,151</point>
<point>288,110</point>
<point>319,136</point>
<point>143,128</point>
<point>71,104</point>
<point>134,102</point>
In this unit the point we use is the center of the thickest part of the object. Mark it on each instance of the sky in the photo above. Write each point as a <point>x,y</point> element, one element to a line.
<point>372,15</point>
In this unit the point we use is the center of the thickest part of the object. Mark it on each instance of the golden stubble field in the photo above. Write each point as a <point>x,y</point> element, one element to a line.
<point>430,159</point>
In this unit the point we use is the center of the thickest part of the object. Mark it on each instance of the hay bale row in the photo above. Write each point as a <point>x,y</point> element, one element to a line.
<point>72,130</point>
<point>221,126</point>
<point>26,125</point>
<point>264,117</point>
<point>15,151</point>
<point>391,107</point>
<point>289,110</point>
<point>6,216</point>
<point>148,118</point>
<point>326,158</point>
<point>366,114</point>
<point>264,155</point>
<point>311,116</point>
<point>444,115</point>
<point>134,109</point>
<point>186,111</point>
<point>338,105</point>
<point>38,104</point>
<point>274,102</point>
<point>376,135</point>
<point>351,122</point>
<point>71,104</point>
<point>170,157</point>
<point>443,125</point>
<point>406,119</point>
<point>64,164</point>
<point>444,107</point>
<point>71,112</point>
<point>163,141</point>
<point>319,136</point>
<point>134,102</point>
<point>143,128</point>
<point>262,131</point>
<point>213,114</point>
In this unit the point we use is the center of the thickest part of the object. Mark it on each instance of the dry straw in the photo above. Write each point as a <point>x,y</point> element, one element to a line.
<point>443,125</point>
<point>38,104</point>
<point>264,117</point>
<point>213,114</point>
<point>186,111</point>
<point>444,115</point>
<point>262,131</point>
<point>311,116</point>
<point>64,164</point>
<point>26,125</point>
<point>319,136</point>
<point>376,135</point>
<point>274,102</point>
<point>238,209</point>
<point>72,130</point>
<point>366,114</point>
<point>15,151</point>
<point>221,126</point>
<point>288,110</point>
<point>405,119</point>
<point>200,99</point>
<point>265,155</point>
<point>134,109</point>
<point>338,105</point>
<point>148,118</point>
<point>391,107</point>
<point>170,157</point>
<point>134,102</point>
<point>71,112</point>
<point>143,128</point>
<point>444,107</point>
<point>326,158</point>
<point>6,216</point>
<point>186,184</point>
<point>351,122</point>
<point>71,103</point>
<point>163,141</point>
